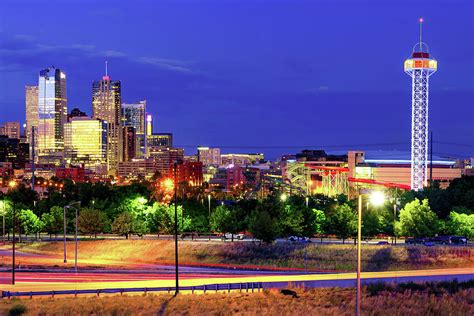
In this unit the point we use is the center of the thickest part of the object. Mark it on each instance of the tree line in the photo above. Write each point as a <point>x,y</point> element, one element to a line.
<point>133,210</point>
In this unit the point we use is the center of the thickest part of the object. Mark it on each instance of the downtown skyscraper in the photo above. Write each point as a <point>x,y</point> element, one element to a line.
<point>106,106</point>
<point>52,115</point>
<point>134,114</point>
<point>31,103</point>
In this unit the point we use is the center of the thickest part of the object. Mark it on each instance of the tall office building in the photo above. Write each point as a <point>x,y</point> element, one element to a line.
<point>31,98</point>
<point>129,143</point>
<point>11,129</point>
<point>85,142</point>
<point>106,103</point>
<point>134,114</point>
<point>52,114</point>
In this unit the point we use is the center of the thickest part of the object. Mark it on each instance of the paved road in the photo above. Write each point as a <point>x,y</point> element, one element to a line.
<point>37,281</point>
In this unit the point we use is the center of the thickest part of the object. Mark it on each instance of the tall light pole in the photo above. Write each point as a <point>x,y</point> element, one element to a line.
<point>209,204</point>
<point>376,198</point>
<point>176,228</point>
<point>13,246</point>
<point>75,238</point>
<point>4,211</point>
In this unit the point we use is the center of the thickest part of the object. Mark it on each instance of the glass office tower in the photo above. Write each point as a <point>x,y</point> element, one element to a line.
<point>134,114</point>
<point>52,115</point>
<point>85,142</point>
<point>106,103</point>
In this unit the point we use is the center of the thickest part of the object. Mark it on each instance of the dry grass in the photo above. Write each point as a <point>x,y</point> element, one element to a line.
<point>312,302</point>
<point>314,256</point>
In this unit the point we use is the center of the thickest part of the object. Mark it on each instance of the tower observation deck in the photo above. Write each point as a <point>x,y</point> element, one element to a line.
<point>420,66</point>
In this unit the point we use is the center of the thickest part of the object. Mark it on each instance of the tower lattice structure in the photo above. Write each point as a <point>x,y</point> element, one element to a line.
<point>420,66</point>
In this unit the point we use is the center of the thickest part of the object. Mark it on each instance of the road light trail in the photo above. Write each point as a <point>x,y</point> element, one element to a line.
<point>71,281</point>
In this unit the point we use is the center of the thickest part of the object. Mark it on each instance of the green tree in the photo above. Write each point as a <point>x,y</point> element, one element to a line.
<point>460,224</point>
<point>319,221</point>
<point>224,220</point>
<point>343,221</point>
<point>29,222</point>
<point>53,221</point>
<point>290,221</point>
<point>417,220</point>
<point>371,223</point>
<point>263,226</point>
<point>92,221</point>
<point>123,224</point>
<point>139,227</point>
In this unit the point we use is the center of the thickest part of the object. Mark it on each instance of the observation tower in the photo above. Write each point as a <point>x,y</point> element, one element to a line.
<point>420,66</point>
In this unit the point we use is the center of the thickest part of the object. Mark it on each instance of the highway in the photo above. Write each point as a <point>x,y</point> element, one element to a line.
<point>62,280</point>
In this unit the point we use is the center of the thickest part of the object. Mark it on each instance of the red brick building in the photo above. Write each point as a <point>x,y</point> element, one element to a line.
<point>189,172</point>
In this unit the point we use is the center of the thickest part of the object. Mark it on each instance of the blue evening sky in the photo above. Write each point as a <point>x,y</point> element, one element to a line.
<point>250,76</point>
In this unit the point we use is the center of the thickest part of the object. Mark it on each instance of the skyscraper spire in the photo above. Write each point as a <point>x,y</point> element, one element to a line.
<point>106,73</point>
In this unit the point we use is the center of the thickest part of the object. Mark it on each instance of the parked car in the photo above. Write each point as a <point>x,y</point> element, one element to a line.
<point>239,236</point>
<point>416,241</point>
<point>299,239</point>
<point>442,240</point>
<point>383,243</point>
<point>459,240</point>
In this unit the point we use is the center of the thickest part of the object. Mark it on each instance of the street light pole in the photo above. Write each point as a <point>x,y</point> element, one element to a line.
<point>359,235</point>
<point>64,219</point>
<point>209,203</point>
<point>75,237</point>
<point>75,254</point>
<point>13,246</point>
<point>176,228</point>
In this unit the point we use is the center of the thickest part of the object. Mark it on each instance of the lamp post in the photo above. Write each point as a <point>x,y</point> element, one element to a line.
<point>4,211</point>
<point>13,246</point>
<point>75,237</point>
<point>376,198</point>
<point>209,205</point>
<point>176,228</point>
<point>307,201</point>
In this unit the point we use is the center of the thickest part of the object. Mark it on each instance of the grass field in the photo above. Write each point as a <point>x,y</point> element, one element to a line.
<point>115,253</point>
<point>408,299</point>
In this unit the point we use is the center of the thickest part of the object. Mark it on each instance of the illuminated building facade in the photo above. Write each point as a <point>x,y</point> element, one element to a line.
<point>158,142</point>
<point>11,129</point>
<point>106,103</point>
<point>31,102</point>
<point>134,114</point>
<point>189,172</point>
<point>52,115</point>
<point>129,143</point>
<point>209,156</point>
<point>86,143</point>
<point>164,158</point>
<point>13,151</point>
<point>241,159</point>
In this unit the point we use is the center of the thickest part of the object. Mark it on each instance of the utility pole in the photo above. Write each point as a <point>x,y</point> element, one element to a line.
<point>176,227</point>
<point>13,246</point>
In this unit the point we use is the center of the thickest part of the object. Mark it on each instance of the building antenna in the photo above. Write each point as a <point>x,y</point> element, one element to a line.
<point>106,62</point>
<point>421,32</point>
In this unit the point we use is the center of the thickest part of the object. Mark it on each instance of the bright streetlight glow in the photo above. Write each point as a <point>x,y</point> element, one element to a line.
<point>168,184</point>
<point>12,184</point>
<point>283,197</point>
<point>377,198</point>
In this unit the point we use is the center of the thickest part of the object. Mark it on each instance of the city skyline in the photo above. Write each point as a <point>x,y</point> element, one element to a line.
<point>203,95</point>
